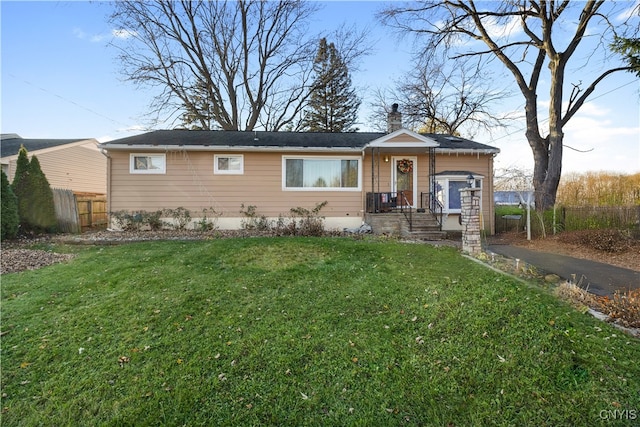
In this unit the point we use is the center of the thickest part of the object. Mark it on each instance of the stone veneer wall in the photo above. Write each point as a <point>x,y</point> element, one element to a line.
<point>470,214</point>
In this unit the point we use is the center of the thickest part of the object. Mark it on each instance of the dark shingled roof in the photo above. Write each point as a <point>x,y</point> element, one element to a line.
<point>353,140</point>
<point>10,145</point>
<point>248,139</point>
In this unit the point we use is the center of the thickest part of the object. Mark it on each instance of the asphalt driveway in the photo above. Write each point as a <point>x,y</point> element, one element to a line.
<point>596,277</point>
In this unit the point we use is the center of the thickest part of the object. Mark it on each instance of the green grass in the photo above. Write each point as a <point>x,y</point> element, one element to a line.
<point>302,331</point>
<point>509,210</point>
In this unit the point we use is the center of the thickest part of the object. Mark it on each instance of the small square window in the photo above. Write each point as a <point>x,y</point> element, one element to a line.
<point>148,163</point>
<point>228,164</point>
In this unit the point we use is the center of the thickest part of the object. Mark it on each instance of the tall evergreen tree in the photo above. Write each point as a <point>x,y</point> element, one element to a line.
<point>333,105</point>
<point>36,208</point>
<point>43,213</point>
<point>20,185</point>
<point>629,48</point>
<point>9,215</point>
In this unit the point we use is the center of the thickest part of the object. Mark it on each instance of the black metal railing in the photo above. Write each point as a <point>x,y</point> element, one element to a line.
<point>390,201</point>
<point>406,209</point>
<point>431,202</point>
<point>398,202</point>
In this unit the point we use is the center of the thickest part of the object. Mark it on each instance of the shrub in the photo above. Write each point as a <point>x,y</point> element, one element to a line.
<point>153,220</point>
<point>309,223</point>
<point>208,220</point>
<point>251,219</point>
<point>138,220</point>
<point>9,214</point>
<point>181,217</point>
<point>128,221</point>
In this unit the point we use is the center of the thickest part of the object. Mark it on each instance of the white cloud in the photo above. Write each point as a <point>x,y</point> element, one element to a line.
<point>630,12</point>
<point>96,38</point>
<point>503,30</point>
<point>122,33</point>
<point>79,33</point>
<point>607,140</point>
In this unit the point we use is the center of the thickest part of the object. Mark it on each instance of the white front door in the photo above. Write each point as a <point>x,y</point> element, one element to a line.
<point>404,178</point>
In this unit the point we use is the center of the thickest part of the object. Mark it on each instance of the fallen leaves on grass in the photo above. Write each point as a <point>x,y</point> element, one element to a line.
<point>14,260</point>
<point>123,360</point>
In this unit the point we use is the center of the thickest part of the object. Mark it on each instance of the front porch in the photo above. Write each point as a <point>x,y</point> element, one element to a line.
<point>391,213</point>
<point>424,226</point>
<point>402,185</point>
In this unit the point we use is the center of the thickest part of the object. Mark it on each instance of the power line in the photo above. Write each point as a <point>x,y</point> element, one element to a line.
<point>69,101</point>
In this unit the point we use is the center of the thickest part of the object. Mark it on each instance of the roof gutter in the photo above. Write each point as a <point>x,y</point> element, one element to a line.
<point>467,151</point>
<point>163,148</point>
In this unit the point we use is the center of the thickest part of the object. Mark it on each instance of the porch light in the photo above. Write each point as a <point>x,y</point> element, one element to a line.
<point>471,181</point>
<point>386,159</point>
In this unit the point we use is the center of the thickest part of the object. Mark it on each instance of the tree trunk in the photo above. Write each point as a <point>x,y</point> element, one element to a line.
<point>547,152</point>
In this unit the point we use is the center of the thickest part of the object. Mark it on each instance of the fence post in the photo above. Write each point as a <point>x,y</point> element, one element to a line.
<point>90,213</point>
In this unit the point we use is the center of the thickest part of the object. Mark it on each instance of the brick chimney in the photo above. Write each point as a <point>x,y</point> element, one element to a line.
<point>394,119</point>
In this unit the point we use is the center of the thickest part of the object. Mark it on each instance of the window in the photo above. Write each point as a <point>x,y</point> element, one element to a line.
<point>448,191</point>
<point>232,164</point>
<point>147,163</point>
<point>317,173</point>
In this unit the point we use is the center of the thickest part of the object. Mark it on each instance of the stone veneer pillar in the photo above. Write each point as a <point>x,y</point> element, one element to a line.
<point>470,215</point>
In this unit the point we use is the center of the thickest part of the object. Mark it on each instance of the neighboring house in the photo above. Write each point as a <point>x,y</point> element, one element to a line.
<point>73,164</point>
<point>513,198</point>
<point>360,175</point>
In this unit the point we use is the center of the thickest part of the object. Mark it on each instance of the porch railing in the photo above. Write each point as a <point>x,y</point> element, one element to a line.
<point>431,202</point>
<point>398,202</point>
<point>388,201</point>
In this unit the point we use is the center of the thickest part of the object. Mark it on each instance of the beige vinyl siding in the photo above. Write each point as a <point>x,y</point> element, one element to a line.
<point>190,182</point>
<point>403,138</point>
<point>478,164</point>
<point>383,184</point>
<point>80,168</point>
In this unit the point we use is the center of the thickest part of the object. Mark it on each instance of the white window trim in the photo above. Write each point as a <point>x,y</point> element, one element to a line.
<point>284,173</point>
<point>132,160</point>
<point>228,172</point>
<point>447,178</point>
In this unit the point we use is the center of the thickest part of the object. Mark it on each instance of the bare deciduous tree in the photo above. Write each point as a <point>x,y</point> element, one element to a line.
<point>442,97</point>
<point>233,65</point>
<point>451,99</point>
<point>530,38</point>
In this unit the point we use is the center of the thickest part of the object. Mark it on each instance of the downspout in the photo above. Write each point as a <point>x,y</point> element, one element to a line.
<point>106,154</point>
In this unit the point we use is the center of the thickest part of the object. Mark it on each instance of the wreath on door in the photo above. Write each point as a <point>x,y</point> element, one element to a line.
<point>405,166</point>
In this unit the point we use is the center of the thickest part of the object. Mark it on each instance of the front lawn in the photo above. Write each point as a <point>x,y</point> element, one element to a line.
<point>302,331</point>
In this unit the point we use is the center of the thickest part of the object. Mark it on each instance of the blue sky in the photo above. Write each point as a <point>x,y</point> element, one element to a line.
<point>59,79</point>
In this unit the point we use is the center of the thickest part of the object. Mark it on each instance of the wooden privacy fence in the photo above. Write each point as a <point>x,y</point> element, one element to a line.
<point>79,212</point>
